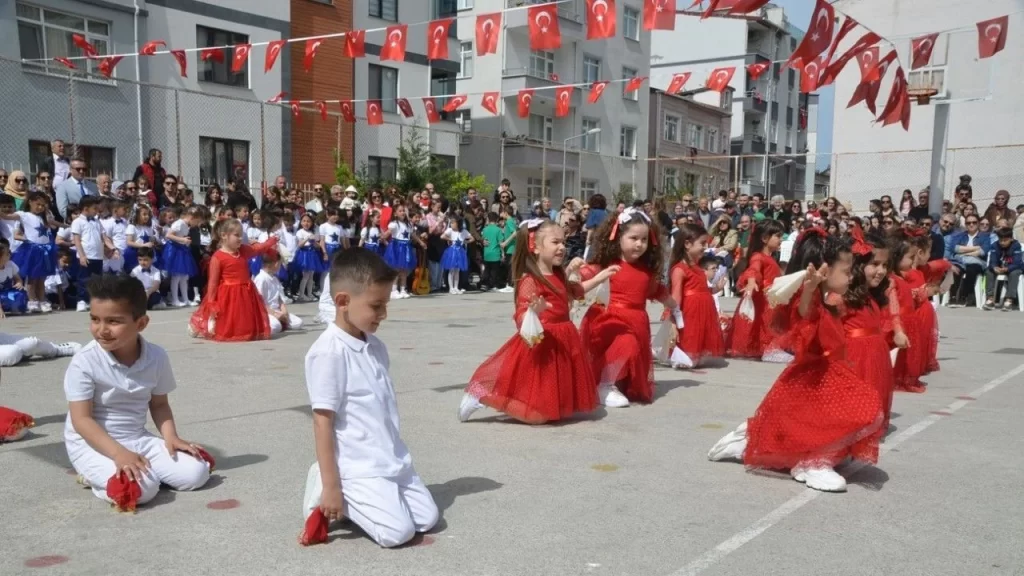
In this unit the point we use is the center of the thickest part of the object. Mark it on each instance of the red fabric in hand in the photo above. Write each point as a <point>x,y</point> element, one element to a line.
<point>124,492</point>
<point>13,422</point>
<point>209,459</point>
<point>315,531</point>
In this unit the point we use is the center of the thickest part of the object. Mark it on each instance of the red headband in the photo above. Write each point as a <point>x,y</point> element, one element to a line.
<point>915,232</point>
<point>812,231</point>
<point>860,247</point>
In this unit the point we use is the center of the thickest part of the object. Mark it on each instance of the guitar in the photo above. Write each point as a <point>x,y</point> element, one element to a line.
<point>421,276</point>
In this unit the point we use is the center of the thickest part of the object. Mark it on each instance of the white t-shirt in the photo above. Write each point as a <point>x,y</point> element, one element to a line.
<point>288,240</point>
<point>57,282</point>
<point>141,233</point>
<point>306,237</point>
<point>9,228</point>
<point>91,232</point>
<point>8,272</point>
<point>457,238</point>
<point>34,228</point>
<point>252,234</point>
<point>150,280</point>
<point>399,230</point>
<point>116,229</point>
<point>370,235</point>
<point>332,233</point>
<point>269,288</point>
<point>120,394</point>
<point>325,306</point>
<point>350,377</point>
<point>180,228</point>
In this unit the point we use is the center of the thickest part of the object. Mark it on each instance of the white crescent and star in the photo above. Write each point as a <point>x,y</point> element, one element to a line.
<point>599,16</point>
<point>999,32</point>
<point>546,16</point>
<point>526,98</point>
<point>316,44</point>
<point>438,33</point>
<point>869,58</point>
<point>346,108</point>
<point>374,109</point>
<point>429,105</point>
<point>487,26</point>
<point>395,36</point>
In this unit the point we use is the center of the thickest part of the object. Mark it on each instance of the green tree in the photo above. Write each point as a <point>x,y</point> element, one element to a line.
<point>417,166</point>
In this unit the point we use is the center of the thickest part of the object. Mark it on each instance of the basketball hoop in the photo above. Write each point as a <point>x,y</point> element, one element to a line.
<point>922,95</point>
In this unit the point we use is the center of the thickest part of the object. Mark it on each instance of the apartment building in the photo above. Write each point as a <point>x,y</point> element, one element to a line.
<point>599,147</point>
<point>687,143</point>
<point>770,118</point>
<point>210,125</point>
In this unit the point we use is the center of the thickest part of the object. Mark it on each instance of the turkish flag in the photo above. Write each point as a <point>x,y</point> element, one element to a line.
<point>524,99</point>
<point>756,69</point>
<point>921,50</point>
<point>277,98</point>
<point>433,116</point>
<point>374,115</point>
<point>348,113</point>
<point>437,39</point>
<point>405,107</point>
<point>312,45</point>
<point>634,84</point>
<point>544,31</point>
<point>677,83</point>
<point>296,112</point>
<point>848,25</point>
<point>878,72</point>
<point>596,90</point>
<point>600,19</point>
<point>992,36</point>
<point>867,60</point>
<point>88,49</point>
<point>562,96</point>
<point>490,102</point>
<point>67,63</point>
<point>215,54</point>
<point>811,73</point>
<point>149,48</point>
<point>108,63</point>
<point>893,111</point>
<point>719,78</point>
<point>865,43</point>
<point>488,27</point>
<point>355,44</point>
<point>871,82</point>
<point>322,107</point>
<point>394,43</point>
<point>659,14</point>
<point>746,6</point>
<point>239,57</point>
<point>182,59</point>
<point>273,51</point>
<point>818,37</point>
<point>455,103</point>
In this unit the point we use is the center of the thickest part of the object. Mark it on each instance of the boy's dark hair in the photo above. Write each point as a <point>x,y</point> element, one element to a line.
<point>88,201</point>
<point>492,217</point>
<point>72,208</point>
<point>6,199</point>
<point>271,257</point>
<point>123,289</point>
<point>144,252</point>
<point>361,268</point>
<point>33,196</point>
<point>709,259</point>
<point>118,204</point>
<point>1004,233</point>
<point>5,248</point>
<point>241,205</point>
<point>62,252</point>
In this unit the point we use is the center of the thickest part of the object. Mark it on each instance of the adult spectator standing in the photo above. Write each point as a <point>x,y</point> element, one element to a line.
<point>377,203</point>
<point>104,186</point>
<point>4,178</point>
<point>549,212</point>
<point>471,194</point>
<point>919,212</point>
<point>777,211</point>
<point>57,165</point>
<point>44,184</point>
<point>704,212</point>
<point>1000,209</point>
<point>17,188</point>
<point>72,190</point>
<point>169,196</point>
<point>238,193</point>
<point>570,208</point>
<point>154,172</point>
<point>317,203</point>
<point>436,245</point>
<point>507,202</point>
<point>506,186</point>
<point>281,183</point>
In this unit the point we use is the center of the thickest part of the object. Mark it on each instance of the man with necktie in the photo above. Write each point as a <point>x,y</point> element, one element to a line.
<point>72,190</point>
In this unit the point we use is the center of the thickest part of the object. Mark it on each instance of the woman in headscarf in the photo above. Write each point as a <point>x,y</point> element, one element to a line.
<point>17,187</point>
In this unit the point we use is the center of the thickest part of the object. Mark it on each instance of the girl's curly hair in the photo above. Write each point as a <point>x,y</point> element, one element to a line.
<point>858,294</point>
<point>606,251</point>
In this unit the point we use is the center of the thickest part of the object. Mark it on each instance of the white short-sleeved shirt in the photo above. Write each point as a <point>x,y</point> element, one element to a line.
<point>457,238</point>
<point>370,235</point>
<point>150,279</point>
<point>180,228</point>
<point>303,236</point>
<point>120,394</point>
<point>58,281</point>
<point>91,231</point>
<point>270,289</point>
<point>288,240</point>
<point>350,377</point>
<point>332,233</point>
<point>205,236</point>
<point>34,228</point>
<point>116,230</point>
<point>8,272</point>
<point>141,233</point>
<point>10,227</point>
<point>399,230</point>
<point>253,234</point>
<point>64,233</point>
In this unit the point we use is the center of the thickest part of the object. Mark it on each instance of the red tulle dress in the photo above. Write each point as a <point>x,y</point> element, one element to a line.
<point>12,424</point>
<point>752,338</point>
<point>701,337</point>
<point>819,410</point>
<point>232,299</point>
<point>934,272</point>
<point>550,381</point>
<point>910,361</point>
<point>867,349</point>
<point>618,336</point>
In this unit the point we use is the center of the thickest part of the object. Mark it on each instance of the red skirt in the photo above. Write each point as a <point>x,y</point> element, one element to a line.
<point>619,342</point>
<point>817,413</point>
<point>752,338</point>
<point>12,423</point>
<point>240,315</point>
<point>910,362</point>
<point>928,335</point>
<point>869,355</point>
<point>702,332</point>
<point>548,382</point>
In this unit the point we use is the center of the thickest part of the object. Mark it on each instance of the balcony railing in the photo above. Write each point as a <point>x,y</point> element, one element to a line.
<point>566,10</point>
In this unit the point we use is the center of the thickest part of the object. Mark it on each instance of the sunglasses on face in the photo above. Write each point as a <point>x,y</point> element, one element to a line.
<point>44,178</point>
<point>20,180</point>
<point>972,222</point>
<point>78,168</point>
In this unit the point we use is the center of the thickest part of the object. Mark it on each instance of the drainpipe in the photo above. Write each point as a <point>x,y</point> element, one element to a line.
<point>138,81</point>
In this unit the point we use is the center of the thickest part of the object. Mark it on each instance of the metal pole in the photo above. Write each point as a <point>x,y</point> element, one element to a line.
<point>940,134</point>
<point>177,133</point>
<point>263,150</point>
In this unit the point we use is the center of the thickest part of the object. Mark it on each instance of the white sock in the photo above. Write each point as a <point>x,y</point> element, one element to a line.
<point>172,294</point>
<point>306,286</point>
<point>32,346</point>
<point>183,283</point>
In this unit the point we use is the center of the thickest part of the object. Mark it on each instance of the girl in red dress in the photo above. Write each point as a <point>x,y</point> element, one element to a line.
<point>754,338</point>
<point>550,379</point>
<point>232,311</point>
<point>819,409</point>
<point>931,275</point>
<point>911,293</point>
<point>618,334</point>
<point>701,337</point>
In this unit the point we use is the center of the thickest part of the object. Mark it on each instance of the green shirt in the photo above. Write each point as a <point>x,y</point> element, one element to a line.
<point>493,236</point>
<point>510,232</point>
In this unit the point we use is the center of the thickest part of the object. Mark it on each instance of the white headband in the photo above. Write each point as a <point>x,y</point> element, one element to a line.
<point>628,214</point>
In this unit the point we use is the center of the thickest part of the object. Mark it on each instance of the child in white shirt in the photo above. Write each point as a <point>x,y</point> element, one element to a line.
<point>87,234</point>
<point>270,290</point>
<point>58,285</point>
<point>363,469</point>
<point>115,228</point>
<point>12,291</point>
<point>716,279</point>
<point>150,278</point>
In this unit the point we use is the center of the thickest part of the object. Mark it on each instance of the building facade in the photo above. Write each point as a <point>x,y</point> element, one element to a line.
<point>684,150</point>
<point>595,148</point>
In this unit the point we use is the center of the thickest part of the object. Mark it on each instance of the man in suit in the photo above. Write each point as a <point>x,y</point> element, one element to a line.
<point>72,190</point>
<point>57,164</point>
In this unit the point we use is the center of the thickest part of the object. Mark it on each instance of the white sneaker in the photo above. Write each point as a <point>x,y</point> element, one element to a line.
<point>611,397</point>
<point>195,303</point>
<point>287,300</point>
<point>819,478</point>
<point>396,295</point>
<point>180,304</point>
<point>507,290</point>
<point>731,446</point>
<point>468,405</point>
<point>82,307</point>
<point>32,306</point>
<point>777,357</point>
<point>46,307</point>
<point>461,291</point>
<point>68,348</point>
<point>160,306</point>
<point>453,291</point>
<point>403,295</point>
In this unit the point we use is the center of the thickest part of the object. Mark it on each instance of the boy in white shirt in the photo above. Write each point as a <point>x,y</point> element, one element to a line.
<point>150,277</point>
<point>363,469</point>
<point>58,284</point>
<point>270,289</point>
<point>111,385</point>
<point>114,228</point>
<point>90,242</point>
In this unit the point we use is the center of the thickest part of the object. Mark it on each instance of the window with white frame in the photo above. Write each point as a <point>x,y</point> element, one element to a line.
<point>46,34</point>
<point>631,23</point>
<point>383,85</point>
<point>773,132</point>
<point>691,182</point>
<point>541,128</point>
<point>591,142</point>
<point>384,9</point>
<point>670,132</point>
<point>588,188</point>
<point>465,60</point>
<point>696,136</point>
<point>591,69</point>
<point>933,75</point>
<point>465,5</point>
<point>631,73</point>
<point>670,179</point>
<point>542,63</point>
<point>535,188</point>
<point>627,142</point>
<point>712,140</point>
<point>726,99</point>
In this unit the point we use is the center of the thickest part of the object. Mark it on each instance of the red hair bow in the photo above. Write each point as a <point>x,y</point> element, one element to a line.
<point>812,231</point>
<point>626,216</point>
<point>860,247</point>
<point>915,232</point>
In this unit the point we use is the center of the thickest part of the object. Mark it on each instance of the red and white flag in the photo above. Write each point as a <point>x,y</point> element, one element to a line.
<point>312,45</point>
<point>818,37</point>
<point>348,112</point>
<point>811,73</point>
<point>150,48</point>
<point>455,102</point>
<point>719,78</point>
<point>182,60</point>
<point>108,63</point>
<point>921,50</point>
<point>67,63</point>
<point>634,84</point>
<point>374,114</point>
<point>563,95</point>
<point>437,39</point>
<point>601,21</point>
<point>296,112</point>
<point>239,57</point>
<point>394,43</point>
<point>992,36</point>
<point>280,96</point>
<point>898,103</point>
<point>214,54</point>
<point>865,43</point>
<point>544,31</point>
<point>867,61</point>
<point>659,14</point>
<point>355,44</point>
<point>596,90</point>
<point>273,51</point>
<point>88,49</point>
<point>433,114</point>
<point>524,99</point>
<point>756,69</point>
<point>488,27</point>
<point>848,25</point>
<point>490,102</point>
<point>871,83</point>
<point>405,107</point>
<point>321,107</point>
<point>678,81</point>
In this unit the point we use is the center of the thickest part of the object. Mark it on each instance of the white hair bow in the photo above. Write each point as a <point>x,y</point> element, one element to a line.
<point>532,223</point>
<point>628,214</point>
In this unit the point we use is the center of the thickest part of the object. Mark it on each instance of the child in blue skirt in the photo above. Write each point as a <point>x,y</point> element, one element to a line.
<point>37,256</point>
<point>400,254</point>
<point>141,233</point>
<point>372,237</point>
<point>455,260</point>
<point>177,260</point>
<point>13,298</point>
<point>308,259</point>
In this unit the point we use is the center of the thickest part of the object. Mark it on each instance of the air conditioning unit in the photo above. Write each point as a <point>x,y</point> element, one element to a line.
<point>465,138</point>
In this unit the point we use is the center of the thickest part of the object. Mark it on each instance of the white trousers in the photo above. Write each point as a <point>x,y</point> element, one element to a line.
<point>294,323</point>
<point>114,265</point>
<point>13,348</point>
<point>184,473</point>
<point>390,510</point>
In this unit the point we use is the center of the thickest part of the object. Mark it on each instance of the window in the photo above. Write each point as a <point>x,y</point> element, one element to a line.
<point>97,160</point>
<point>727,99</point>
<point>536,188</point>
<point>47,34</point>
<point>671,129</point>
<point>630,73</point>
<point>384,9</point>
<point>670,180</point>
<point>381,169</point>
<point>383,86</point>
<point>627,142</point>
<point>541,128</point>
<point>465,60</point>
<point>222,160</point>
<point>542,64</point>
<point>465,119</point>
<point>631,23</point>
<point>591,142</point>
<point>591,69</point>
<point>712,140</point>
<point>444,160</point>
<point>588,188</point>
<point>773,133</point>
<point>465,4</point>
<point>691,182</point>
<point>220,72</point>
<point>791,139</point>
<point>695,136</point>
